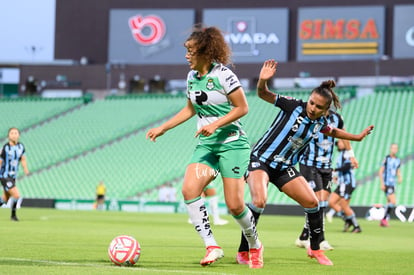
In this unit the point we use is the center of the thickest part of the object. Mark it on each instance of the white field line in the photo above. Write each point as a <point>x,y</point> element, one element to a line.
<point>133,269</point>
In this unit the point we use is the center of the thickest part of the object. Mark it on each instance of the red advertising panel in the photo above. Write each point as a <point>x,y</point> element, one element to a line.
<point>149,36</point>
<point>340,33</point>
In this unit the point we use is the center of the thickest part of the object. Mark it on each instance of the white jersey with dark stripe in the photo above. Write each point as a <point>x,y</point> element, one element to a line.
<point>209,96</point>
<point>290,133</point>
<point>320,149</point>
<point>391,166</point>
<point>11,156</point>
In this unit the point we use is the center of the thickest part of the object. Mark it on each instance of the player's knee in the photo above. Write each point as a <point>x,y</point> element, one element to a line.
<point>312,203</point>
<point>235,209</point>
<point>259,202</point>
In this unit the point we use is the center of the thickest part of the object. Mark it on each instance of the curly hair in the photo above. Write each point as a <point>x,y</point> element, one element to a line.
<point>210,44</point>
<point>326,90</point>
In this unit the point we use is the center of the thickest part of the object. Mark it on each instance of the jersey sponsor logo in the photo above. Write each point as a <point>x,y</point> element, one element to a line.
<point>232,80</point>
<point>322,159</point>
<point>295,142</point>
<point>325,144</point>
<point>279,158</point>
<point>255,164</point>
<point>148,30</point>
<point>200,97</point>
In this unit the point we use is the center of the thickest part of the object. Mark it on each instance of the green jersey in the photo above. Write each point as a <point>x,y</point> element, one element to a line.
<point>209,96</point>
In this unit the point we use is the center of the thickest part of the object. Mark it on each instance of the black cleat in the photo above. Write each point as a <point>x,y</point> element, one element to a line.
<point>356,230</point>
<point>14,219</point>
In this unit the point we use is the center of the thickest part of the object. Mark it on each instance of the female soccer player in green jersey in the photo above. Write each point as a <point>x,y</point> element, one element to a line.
<point>215,95</point>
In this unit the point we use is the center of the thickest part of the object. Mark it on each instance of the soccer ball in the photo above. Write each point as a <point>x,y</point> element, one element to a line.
<point>124,250</point>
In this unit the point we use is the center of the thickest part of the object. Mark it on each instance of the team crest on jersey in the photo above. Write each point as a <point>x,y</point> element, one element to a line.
<point>317,128</point>
<point>210,84</point>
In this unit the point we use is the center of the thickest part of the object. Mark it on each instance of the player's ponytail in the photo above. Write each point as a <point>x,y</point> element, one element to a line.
<point>326,90</point>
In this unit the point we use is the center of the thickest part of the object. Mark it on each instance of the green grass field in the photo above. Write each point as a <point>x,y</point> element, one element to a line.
<point>48,241</point>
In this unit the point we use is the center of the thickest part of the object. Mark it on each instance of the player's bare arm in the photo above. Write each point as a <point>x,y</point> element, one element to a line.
<point>267,72</point>
<point>185,114</point>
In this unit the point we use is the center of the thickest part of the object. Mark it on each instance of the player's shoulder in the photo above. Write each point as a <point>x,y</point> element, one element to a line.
<point>335,114</point>
<point>219,68</point>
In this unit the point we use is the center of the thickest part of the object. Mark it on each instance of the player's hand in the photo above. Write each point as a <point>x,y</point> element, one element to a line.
<point>206,131</point>
<point>153,133</point>
<point>354,162</point>
<point>268,70</point>
<point>366,132</point>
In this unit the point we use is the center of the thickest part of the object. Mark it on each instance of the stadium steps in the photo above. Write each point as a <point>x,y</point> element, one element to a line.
<point>26,113</point>
<point>94,125</point>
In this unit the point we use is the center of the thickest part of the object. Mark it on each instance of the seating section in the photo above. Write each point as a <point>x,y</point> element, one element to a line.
<point>94,125</point>
<point>105,140</point>
<point>129,167</point>
<point>26,112</point>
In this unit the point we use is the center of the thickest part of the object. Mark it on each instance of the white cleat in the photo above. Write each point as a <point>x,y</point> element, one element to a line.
<point>324,245</point>
<point>302,243</point>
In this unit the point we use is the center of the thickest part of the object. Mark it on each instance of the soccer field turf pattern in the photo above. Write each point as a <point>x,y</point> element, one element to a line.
<point>49,241</point>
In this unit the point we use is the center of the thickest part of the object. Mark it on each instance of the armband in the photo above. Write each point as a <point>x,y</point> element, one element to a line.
<point>349,153</point>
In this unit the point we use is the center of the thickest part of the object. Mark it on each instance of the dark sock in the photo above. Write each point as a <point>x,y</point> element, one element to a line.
<point>13,207</point>
<point>315,229</point>
<point>322,217</point>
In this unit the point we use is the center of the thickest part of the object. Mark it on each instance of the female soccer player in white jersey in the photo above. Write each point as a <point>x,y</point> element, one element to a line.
<point>12,154</point>
<point>216,96</point>
<point>276,153</point>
